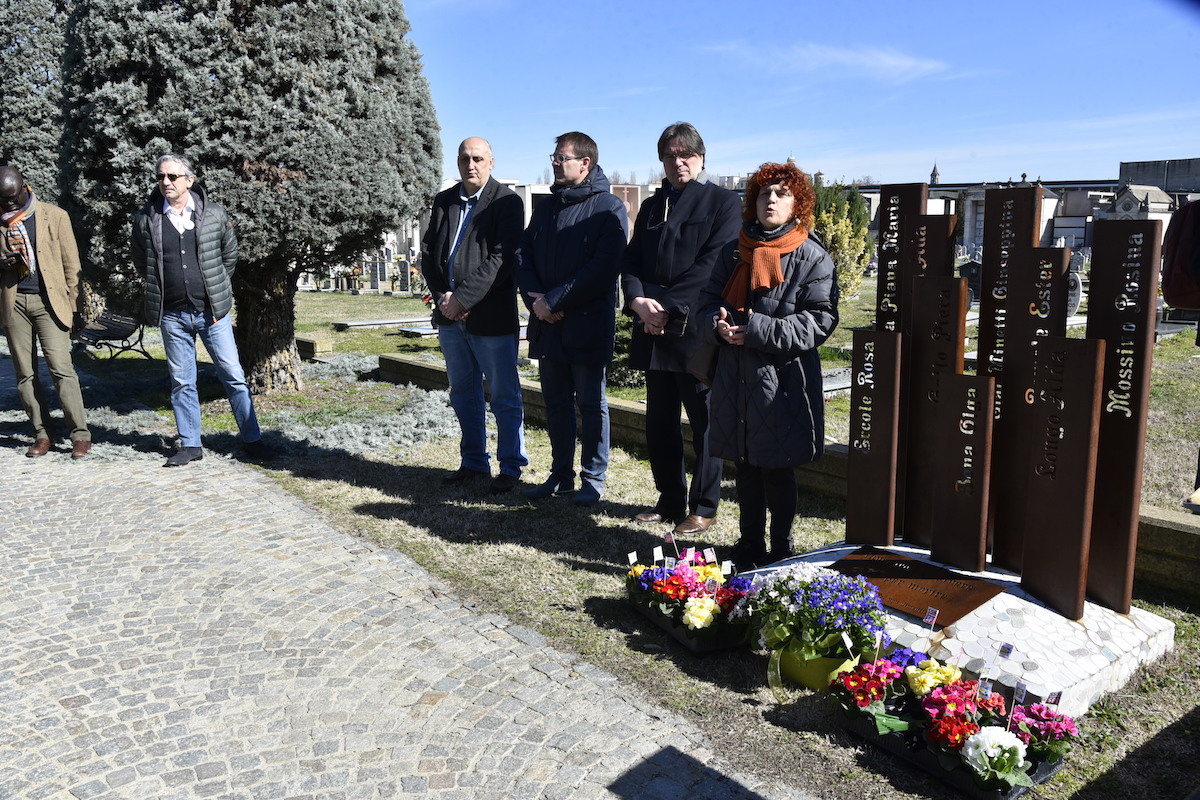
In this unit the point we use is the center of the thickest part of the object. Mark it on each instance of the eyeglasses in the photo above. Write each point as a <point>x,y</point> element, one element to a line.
<point>171,176</point>
<point>684,155</point>
<point>559,158</point>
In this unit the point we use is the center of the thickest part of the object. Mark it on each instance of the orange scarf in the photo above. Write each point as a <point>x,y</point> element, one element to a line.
<point>763,271</point>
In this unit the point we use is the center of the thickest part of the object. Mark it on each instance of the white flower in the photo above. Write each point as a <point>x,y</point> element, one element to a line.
<point>991,747</point>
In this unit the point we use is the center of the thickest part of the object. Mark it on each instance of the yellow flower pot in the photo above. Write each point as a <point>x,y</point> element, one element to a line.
<point>815,673</point>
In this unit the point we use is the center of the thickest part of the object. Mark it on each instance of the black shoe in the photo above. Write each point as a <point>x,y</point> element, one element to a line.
<point>185,455</point>
<point>463,475</point>
<point>775,556</point>
<point>748,555</point>
<point>257,450</point>
<point>551,488</point>
<point>503,484</point>
<point>588,495</point>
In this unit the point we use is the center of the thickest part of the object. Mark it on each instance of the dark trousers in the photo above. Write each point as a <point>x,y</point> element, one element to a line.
<point>666,393</point>
<point>762,489</point>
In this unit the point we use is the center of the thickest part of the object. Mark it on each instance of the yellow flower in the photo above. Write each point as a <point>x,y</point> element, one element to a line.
<point>708,571</point>
<point>929,675</point>
<point>637,570</point>
<point>698,612</point>
<point>920,681</point>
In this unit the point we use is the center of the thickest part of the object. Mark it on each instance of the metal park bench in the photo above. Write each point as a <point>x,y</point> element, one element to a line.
<point>117,332</point>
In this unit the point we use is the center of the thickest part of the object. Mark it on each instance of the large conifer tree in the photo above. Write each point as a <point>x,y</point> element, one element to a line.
<point>31,46</point>
<point>310,121</point>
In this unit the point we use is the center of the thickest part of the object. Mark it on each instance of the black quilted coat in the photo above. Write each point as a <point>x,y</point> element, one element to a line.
<point>216,250</point>
<point>766,406</point>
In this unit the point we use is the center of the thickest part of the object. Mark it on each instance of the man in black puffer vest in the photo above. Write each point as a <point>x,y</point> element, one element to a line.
<point>185,248</point>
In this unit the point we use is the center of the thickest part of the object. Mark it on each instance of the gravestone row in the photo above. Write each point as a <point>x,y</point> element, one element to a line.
<point>1037,457</point>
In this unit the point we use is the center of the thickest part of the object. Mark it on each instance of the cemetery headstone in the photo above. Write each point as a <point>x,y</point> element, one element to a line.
<point>961,471</point>
<point>1061,476</point>
<point>936,351</point>
<point>1036,296</point>
<point>1011,221</point>
<point>1122,305</point>
<point>874,426</point>
<point>900,205</point>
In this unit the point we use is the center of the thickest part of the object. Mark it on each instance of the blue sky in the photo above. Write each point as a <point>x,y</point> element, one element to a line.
<point>1061,89</point>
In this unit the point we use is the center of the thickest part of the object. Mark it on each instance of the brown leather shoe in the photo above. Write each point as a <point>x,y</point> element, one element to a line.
<point>39,448</point>
<point>693,523</point>
<point>653,516</point>
<point>80,448</point>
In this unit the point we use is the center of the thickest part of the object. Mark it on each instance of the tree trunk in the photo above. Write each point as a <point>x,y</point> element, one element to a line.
<point>265,298</point>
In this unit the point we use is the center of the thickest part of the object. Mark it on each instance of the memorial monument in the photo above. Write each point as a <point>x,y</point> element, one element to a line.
<point>996,473</point>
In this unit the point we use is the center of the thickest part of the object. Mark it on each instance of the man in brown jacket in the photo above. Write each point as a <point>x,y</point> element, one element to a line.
<point>40,302</point>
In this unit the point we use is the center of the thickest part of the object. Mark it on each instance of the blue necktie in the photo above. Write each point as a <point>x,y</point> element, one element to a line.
<point>458,236</point>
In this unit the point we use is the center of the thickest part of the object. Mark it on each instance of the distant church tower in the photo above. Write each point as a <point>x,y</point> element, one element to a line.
<point>935,177</point>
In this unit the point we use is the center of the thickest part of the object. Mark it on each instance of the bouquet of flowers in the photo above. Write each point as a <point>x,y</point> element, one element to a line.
<point>958,723</point>
<point>691,594</point>
<point>806,612</point>
<point>1044,731</point>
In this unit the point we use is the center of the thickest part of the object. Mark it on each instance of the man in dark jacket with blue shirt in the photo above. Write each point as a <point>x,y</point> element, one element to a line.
<point>567,269</point>
<point>184,247</point>
<point>467,260</point>
<point>677,237</point>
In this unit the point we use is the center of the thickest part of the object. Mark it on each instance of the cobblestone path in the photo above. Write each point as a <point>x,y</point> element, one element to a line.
<point>200,633</point>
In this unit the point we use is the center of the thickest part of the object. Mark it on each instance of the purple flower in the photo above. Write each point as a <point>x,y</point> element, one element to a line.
<point>650,575</point>
<point>740,583</point>
<point>907,657</point>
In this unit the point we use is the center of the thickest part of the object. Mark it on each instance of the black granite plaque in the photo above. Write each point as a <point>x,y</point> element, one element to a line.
<point>874,423</point>
<point>913,587</point>
<point>1062,471</point>
<point>1122,301</point>
<point>899,206</point>
<point>1037,307</point>
<point>960,471</point>
<point>939,321</point>
<point>1011,222</point>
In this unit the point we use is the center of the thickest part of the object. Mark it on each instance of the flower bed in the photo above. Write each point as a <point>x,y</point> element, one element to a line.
<point>691,600</point>
<point>959,730</point>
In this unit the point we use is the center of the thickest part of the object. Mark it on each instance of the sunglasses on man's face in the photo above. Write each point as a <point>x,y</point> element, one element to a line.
<point>171,176</point>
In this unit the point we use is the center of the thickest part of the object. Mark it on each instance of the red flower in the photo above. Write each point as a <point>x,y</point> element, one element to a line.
<point>952,732</point>
<point>993,705</point>
<point>672,587</point>
<point>953,700</point>
<point>727,598</point>
<point>868,693</point>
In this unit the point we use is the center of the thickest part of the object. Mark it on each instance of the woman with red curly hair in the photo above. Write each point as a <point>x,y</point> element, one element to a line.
<point>772,299</point>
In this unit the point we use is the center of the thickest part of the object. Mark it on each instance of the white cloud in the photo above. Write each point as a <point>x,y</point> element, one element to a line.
<point>882,64</point>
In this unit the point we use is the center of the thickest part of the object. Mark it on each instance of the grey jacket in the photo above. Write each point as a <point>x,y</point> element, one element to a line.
<point>767,406</point>
<point>217,252</point>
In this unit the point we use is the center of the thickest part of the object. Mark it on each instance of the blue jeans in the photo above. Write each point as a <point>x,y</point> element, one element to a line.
<point>565,386</point>
<point>470,360</point>
<point>179,332</point>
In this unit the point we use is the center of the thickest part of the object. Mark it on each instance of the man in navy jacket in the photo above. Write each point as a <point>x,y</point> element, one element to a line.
<point>567,269</point>
<point>467,261</point>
